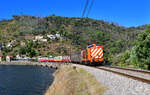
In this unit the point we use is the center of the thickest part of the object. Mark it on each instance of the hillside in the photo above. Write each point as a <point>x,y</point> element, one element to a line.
<point>75,34</point>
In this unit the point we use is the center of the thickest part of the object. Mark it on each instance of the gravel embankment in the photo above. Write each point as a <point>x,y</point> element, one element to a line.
<point>118,85</point>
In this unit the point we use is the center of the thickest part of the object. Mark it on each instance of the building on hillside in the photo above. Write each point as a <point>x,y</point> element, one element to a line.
<point>58,35</point>
<point>34,40</point>
<point>52,37</point>
<point>22,43</point>
<point>10,44</point>
<point>43,40</point>
<point>18,56</point>
<point>8,58</point>
<point>38,37</point>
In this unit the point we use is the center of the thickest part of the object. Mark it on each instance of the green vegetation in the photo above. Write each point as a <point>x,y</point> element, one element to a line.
<point>139,55</point>
<point>74,81</point>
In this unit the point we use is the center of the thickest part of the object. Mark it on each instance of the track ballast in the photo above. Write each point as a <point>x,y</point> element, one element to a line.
<point>140,75</point>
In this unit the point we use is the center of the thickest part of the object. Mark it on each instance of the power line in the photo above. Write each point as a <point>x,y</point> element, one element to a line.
<point>90,8</point>
<point>85,8</point>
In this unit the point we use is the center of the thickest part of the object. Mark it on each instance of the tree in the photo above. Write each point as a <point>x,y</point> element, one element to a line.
<point>125,56</point>
<point>29,49</point>
<point>32,53</point>
<point>22,50</point>
<point>143,47</point>
<point>133,57</point>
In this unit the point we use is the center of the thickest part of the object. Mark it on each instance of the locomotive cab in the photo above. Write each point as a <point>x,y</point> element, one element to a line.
<point>95,53</point>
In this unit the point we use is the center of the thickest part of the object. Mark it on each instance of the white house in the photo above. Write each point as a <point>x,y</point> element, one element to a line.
<point>8,58</point>
<point>52,37</point>
<point>22,43</point>
<point>18,56</point>
<point>10,44</point>
<point>38,37</point>
<point>43,40</point>
<point>57,35</point>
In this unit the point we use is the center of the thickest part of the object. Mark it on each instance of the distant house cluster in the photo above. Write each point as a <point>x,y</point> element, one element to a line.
<point>42,39</point>
<point>53,37</point>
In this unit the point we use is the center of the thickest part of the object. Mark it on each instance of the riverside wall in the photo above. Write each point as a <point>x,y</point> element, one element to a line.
<point>54,65</point>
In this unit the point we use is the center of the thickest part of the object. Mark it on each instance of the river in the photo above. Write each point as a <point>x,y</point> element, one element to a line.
<point>24,80</point>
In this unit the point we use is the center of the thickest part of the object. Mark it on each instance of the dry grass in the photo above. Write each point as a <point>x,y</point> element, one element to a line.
<point>74,81</point>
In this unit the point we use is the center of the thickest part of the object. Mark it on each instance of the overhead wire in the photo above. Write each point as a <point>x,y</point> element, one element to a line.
<point>85,8</point>
<point>89,10</point>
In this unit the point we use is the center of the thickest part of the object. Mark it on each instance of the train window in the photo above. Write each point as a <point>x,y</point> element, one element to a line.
<point>90,46</point>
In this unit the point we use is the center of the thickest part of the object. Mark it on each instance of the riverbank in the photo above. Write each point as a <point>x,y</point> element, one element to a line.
<point>55,65</point>
<point>71,80</point>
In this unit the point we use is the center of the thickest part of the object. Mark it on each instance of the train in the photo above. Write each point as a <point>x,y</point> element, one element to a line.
<point>92,55</point>
<point>55,59</point>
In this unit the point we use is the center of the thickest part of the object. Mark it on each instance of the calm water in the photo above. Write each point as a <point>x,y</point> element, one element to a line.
<point>24,80</point>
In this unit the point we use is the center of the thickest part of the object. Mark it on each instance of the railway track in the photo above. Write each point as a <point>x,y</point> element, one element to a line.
<point>130,69</point>
<point>140,75</point>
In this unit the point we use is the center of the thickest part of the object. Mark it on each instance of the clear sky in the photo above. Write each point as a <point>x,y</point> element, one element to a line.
<point>124,12</point>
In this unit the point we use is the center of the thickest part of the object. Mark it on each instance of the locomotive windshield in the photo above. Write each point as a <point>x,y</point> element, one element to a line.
<point>90,46</point>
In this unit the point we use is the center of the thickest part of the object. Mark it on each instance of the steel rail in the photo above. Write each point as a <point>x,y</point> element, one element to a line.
<point>130,69</point>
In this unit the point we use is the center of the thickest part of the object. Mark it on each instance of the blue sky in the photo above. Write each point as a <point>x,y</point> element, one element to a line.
<point>124,12</point>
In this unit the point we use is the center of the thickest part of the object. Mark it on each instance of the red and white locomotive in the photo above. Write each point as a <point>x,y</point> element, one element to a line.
<point>93,54</point>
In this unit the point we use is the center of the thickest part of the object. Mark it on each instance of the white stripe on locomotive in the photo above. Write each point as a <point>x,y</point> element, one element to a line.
<point>100,54</point>
<point>97,52</point>
<point>94,52</point>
